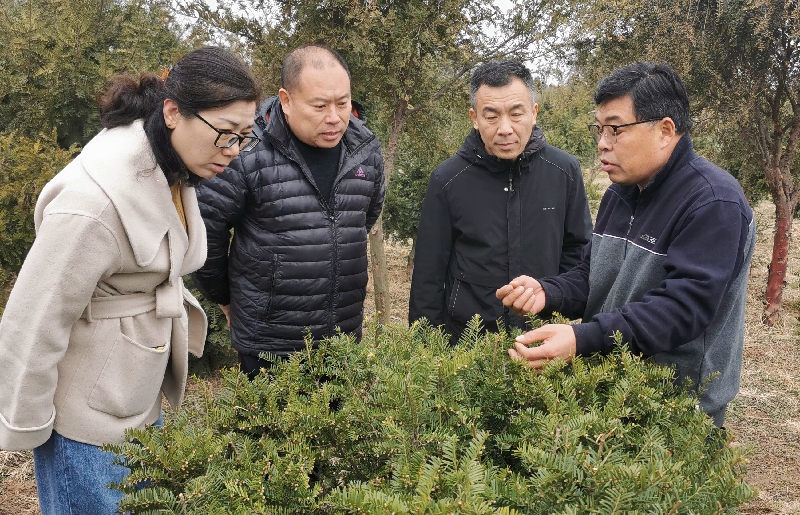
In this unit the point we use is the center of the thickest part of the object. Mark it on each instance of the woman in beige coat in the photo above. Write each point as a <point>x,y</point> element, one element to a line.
<point>99,324</point>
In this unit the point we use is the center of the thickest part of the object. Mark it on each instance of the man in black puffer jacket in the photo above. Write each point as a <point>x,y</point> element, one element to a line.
<point>300,206</point>
<point>507,202</point>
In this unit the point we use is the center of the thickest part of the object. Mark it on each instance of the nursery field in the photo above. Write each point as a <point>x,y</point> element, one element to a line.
<point>764,418</point>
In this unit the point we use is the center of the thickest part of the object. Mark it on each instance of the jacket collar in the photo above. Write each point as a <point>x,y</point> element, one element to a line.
<point>473,149</point>
<point>122,164</point>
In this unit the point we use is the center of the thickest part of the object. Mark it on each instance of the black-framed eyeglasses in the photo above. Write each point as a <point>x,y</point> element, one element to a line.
<point>610,131</point>
<point>227,139</point>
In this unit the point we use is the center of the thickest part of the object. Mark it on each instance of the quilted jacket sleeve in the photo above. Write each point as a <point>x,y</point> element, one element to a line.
<point>223,202</point>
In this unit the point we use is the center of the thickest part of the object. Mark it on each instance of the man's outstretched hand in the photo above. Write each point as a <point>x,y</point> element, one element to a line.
<point>523,295</point>
<point>558,341</point>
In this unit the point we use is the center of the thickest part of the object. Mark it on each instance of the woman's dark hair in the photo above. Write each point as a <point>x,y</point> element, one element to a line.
<point>205,78</point>
<point>655,90</point>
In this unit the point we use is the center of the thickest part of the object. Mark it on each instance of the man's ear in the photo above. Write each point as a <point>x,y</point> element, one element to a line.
<point>283,96</point>
<point>667,127</point>
<point>474,116</point>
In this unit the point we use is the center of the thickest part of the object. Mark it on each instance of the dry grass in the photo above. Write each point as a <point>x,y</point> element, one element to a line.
<point>17,486</point>
<point>764,418</point>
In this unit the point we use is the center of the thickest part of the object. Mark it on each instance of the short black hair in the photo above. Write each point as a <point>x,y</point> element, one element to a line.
<point>314,55</point>
<point>497,74</point>
<point>655,90</point>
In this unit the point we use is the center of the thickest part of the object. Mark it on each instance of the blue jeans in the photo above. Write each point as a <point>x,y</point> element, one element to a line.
<point>73,477</point>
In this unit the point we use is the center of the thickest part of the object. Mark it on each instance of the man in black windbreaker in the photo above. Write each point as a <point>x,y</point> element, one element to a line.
<point>300,206</point>
<point>506,204</point>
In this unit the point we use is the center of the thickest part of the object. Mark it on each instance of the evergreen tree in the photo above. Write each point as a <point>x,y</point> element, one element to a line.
<point>58,54</point>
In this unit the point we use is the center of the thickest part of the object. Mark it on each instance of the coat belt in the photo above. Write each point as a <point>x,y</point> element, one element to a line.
<point>166,300</point>
<point>119,306</point>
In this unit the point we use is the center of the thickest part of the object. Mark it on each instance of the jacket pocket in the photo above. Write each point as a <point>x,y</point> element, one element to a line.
<point>252,279</point>
<point>470,297</point>
<point>131,378</point>
<point>268,284</point>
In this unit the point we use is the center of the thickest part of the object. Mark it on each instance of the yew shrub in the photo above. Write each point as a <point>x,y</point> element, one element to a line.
<point>403,423</point>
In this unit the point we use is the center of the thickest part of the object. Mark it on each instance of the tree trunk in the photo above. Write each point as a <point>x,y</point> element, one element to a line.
<point>377,252</point>
<point>411,255</point>
<point>776,140</point>
<point>776,279</point>
<point>380,275</point>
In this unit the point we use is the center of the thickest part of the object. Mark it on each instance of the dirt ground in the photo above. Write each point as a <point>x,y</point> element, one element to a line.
<point>764,418</point>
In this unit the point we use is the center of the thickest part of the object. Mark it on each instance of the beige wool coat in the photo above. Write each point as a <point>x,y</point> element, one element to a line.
<point>99,323</point>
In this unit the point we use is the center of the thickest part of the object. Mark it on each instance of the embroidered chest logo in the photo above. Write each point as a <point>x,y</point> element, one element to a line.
<point>648,238</point>
<point>360,172</point>
<point>549,208</point>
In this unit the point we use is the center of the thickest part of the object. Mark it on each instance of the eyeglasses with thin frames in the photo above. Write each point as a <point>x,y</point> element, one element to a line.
<point>226,139</point>
<point>598,131</point>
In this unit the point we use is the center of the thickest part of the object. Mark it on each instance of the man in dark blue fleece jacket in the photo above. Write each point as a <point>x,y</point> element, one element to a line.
<point>670,253</point>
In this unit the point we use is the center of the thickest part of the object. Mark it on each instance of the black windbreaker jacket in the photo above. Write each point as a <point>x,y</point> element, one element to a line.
<point>486,221</point>
<point>295,261</point>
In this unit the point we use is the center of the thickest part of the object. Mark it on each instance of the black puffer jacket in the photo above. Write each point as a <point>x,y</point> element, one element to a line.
<point>486,221</point>
<point>296,260</point>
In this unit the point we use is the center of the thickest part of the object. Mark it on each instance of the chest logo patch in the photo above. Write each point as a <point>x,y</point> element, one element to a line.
<point>360,172</point>
<point>648,238</point>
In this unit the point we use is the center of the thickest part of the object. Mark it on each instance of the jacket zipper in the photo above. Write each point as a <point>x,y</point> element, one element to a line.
<point>510,212</point>
<point>326,204</point>
<point>335,283</point>
<point>630,228</point>
<point>331,210</point>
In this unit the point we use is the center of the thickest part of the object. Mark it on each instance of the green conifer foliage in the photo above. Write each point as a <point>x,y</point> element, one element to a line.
<point>27,164</point>
<point>218,352</point>
<point>403,423</point>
